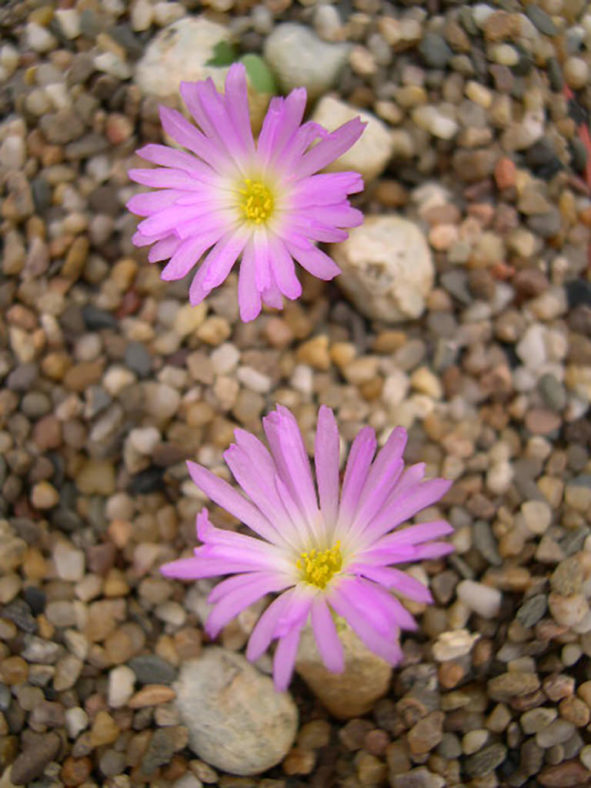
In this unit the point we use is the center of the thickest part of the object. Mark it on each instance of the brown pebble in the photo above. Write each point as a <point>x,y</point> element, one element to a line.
<point>151,695</point>
<point>505,173</point>
<point>75,771</point>
<point>568,774</point>
<point>299,761</point>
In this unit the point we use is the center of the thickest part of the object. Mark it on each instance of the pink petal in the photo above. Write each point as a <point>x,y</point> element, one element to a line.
<point>264,629</point>
<point>387,649</point>
<point>228,498</point>
<point>314,261</point>
<point>179,128</point>
<point>358,464</point>
<point>149,202</point>
<point>249,298</point>
<point>281,122</point>
<point>327,188</point>
<point>399,581</point>
<point>184,258</point>
<point>400,508</point>
<point>236,102</point>
<point>284,269</point>
<point>164,249</point>
<point>216,266</point>
<point>327,639</point>
<point>330,148</point>
<point>178,159</point>
<point>162,178</point>
<point>288,450</point>
<point>326,459</point>
<point>285,657</point>
<point>237,600</point>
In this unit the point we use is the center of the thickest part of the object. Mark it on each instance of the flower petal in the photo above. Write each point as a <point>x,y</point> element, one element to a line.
<point>326,461</point>
<point>235,601</point>
<point>358,464</point>
<point>330,148</point>
<point>329,645</point>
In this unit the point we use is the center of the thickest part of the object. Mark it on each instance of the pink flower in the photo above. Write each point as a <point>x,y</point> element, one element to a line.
<point>321,546</point>
<point>235,197</point>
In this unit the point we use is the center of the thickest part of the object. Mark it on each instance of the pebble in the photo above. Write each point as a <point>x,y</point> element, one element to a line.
<point>349,694</point>
<point>263,722</point>
<point>318,72</point>
<point>387,269</point>
<point>481,599</point>
<point>179,52</point>
<point>371,153</point>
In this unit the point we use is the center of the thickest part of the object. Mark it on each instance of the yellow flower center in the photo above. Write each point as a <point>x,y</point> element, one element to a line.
<point>256,201</point>
<point>318,567</point>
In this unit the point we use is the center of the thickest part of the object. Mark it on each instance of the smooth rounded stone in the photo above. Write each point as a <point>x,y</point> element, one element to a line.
<point>453,644</point>
<point>567,610</point>
<point>514,684</point>
<point>417,778</point>
<point>535,720</point>
<point>387,268</point>
<point>69,562</point>
<point>552,392</point>
<point>298,58</point>
<point>180,53</point>
<point>372,151</point>
<point>31,763</point>
<point>532,610</point>
<point>435,51</point>
<point>349,694</point>
<point>152,669</point>
<point>576,73</point>
<point>485,761</point>
<point>160,400</point>
<point>426,734</point>
<point>481,599</point>
<point>568,577</point>
<point>121,686</point>
<point>557,732</point>
<point>237,722</point>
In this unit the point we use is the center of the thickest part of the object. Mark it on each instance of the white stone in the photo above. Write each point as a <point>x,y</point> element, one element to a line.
<point>112,64</point>
<point>180,52</point>
<point>69,22</point>
<point>254,380</point>
<point>225,358</point>
<point>429,118</point>
<point>387,268</point>
<point>372,151</point>
<point>237,721</point>
<point>121,686</point>
<point>38,38</point>
<point>144,439</point>
<point>69,562</point>
<point>76,721</point>
<point>141,15</point>
<point>298,58</point>
<point>453,644</point>
<point>165,13</point>
<point>531,348</point>
<point>481,599</point>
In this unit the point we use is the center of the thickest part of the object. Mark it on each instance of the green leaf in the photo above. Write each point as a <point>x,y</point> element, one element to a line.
<point>259,74</point>
<point>224,54</point>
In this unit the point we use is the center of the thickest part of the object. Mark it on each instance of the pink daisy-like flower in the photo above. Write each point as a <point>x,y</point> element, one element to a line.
<point>262,201</point>
<point>323,547</point>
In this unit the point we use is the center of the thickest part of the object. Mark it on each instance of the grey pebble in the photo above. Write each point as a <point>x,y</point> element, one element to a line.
<point>485,542</point>
<point>138,359</point>
<point>32,761</point>
<point>152,669</point>
<point>552,392</point>
<point>486,760</point>
<point>532,610</point>
<point>435,50</point>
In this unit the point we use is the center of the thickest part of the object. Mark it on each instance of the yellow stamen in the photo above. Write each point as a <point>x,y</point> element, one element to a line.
<point>318,567</point>
<point>256,201</point>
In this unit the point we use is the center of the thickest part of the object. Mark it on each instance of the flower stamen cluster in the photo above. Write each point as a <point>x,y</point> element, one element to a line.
<point>318,567</point>
<point>256,201</point>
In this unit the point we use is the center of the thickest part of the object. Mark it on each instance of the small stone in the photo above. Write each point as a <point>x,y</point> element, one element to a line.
<point>104,729</point>
<point>512,685</point>
<point>349,694</point>
<point>532,610</point>
<point>568,774</point>
<point>317,72</point>
<point>180,52</point>
<point>96,477</point>
<point>557,732</point>
<point>44,495</point>
<point>151,695</point>
<point>31,763</point>
<point>486,760</point>
<point>152,669</point>
<point>426,734</point>
<point>372,151</point>
<point>387,269</point>
<point>121,686</point>
<point>535,720</point>
<point>576,72</point>
<point>237,721</point>
<point>69,562</point>
<point>483,600</point>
